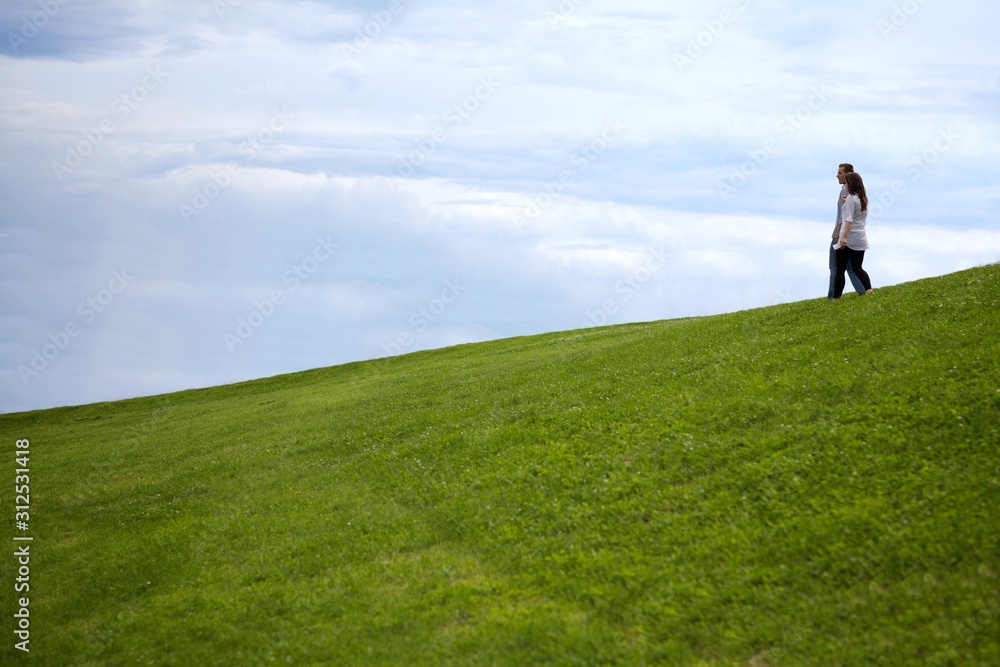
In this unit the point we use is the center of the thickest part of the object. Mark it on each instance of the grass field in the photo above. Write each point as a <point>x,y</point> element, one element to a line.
<point>807,484</point>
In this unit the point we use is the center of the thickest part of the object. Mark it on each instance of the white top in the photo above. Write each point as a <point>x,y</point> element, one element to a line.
<point>857,238</point>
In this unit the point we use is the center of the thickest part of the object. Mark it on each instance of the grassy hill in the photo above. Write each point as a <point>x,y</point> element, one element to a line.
<point>808,484</point>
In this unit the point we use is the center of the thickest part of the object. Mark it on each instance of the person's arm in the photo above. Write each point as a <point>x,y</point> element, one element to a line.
<point>837,225</point>
<point>844,232</point>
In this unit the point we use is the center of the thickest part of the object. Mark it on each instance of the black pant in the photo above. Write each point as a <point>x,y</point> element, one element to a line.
<point>856,258</point>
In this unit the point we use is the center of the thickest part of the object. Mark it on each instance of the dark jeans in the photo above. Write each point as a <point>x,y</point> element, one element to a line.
<point>850,274</point>
<point>856,258</point>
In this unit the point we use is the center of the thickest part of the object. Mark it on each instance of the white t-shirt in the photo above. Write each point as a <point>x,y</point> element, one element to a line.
<point>857,238</point>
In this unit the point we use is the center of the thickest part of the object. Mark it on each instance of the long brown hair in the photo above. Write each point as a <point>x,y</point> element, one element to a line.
<point>856,186</point>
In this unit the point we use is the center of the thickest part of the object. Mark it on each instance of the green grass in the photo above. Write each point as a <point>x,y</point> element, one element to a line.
<point>808,484</point>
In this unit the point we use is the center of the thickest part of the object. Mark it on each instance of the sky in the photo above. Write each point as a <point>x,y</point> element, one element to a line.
<point>199,193</point>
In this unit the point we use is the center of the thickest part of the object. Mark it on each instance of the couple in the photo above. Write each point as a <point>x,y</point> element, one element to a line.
<point>849,238</point>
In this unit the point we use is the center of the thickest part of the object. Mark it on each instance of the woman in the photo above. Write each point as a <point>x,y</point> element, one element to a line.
<point>853,240</point>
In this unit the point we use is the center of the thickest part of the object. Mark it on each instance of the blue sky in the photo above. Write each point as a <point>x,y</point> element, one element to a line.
<point>197,193</point>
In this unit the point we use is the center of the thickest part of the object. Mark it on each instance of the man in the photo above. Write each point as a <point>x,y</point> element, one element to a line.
<point>842,172</point>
